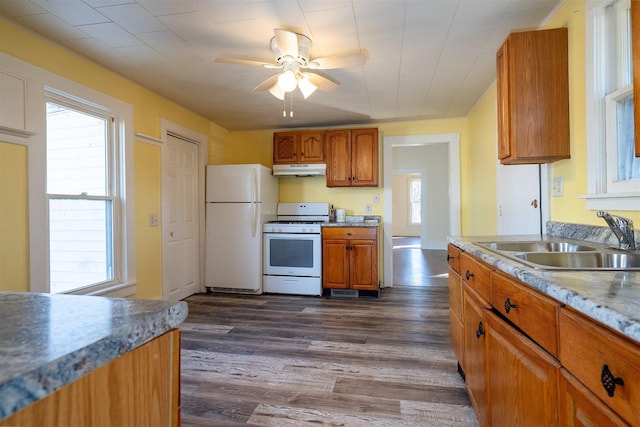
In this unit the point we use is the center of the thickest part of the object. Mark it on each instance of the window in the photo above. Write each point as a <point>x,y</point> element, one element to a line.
<point>415,199</point>
<point>87,235</point>
<point>613,169</point>
<point>81,197</point>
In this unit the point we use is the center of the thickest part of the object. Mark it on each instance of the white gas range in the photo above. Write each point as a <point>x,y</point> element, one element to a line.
<point>293,249</point>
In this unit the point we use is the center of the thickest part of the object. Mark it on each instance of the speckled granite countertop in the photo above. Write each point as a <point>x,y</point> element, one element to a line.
<point>356,221</point>
<point>48,341</point>
<point>610,297</point>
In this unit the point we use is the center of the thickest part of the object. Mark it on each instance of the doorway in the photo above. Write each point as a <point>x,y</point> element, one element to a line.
<point>445,186</point>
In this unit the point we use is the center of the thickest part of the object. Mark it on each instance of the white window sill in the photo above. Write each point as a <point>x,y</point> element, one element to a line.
<point>613,201</point>
<point>120,290</point>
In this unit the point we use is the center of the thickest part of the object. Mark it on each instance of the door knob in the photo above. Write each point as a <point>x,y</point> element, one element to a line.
<point>534,203</point>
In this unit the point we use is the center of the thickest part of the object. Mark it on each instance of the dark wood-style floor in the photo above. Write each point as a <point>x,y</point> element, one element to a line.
<point>286,360</point>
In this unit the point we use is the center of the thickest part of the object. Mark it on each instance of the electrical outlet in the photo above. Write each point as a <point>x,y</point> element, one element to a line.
<point>153,220</point>
<point>367,208</point>
<point>557,188</point>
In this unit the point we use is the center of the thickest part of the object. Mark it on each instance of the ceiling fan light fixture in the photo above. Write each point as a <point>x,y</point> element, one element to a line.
<point>306,87</point>
<point>287,81</point>
<point>277,92</point>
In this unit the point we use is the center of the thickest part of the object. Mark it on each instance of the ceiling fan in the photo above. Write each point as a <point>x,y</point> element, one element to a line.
<point>297,68</point>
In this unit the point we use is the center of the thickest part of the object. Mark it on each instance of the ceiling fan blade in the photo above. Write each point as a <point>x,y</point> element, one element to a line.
<point>337,61</point>
<point>245,61</point>
<point>268,84</point>
<point>287,42</point>
<point>324,83</point>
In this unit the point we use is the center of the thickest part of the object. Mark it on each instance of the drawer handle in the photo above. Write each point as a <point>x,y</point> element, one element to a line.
<point>469,275</point>
<point>480,330</point>
<point>449,257</point>
<point>609,381</point>
<point>508,305</point>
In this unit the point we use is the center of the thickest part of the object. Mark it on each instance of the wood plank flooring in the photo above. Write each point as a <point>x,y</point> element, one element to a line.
<point>286,360</point>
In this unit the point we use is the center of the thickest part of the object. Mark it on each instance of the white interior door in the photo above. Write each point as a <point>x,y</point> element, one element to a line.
<point>181,242</point>
<point>522,199</point>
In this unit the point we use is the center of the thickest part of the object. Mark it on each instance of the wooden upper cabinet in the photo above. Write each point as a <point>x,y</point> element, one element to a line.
<point>352,158</point>
<point>533,97</point>
<point>298,147</point>
<point>635,36</point>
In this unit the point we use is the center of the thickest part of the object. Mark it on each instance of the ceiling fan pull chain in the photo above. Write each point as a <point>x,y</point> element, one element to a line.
<point>284,105</point>
<point>291,109</point>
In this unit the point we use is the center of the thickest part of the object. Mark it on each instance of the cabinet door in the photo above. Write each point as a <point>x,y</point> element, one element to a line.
<point>338,158</point>
<point>475,354</point>
<point>502,70</point>
<point>285,147</point>
<point>635,36</point>
<point>455,315</point>
<point>312,147</point>
<point>537,97</point>
<point>364,157</point>
<point>578,407</point>
<point>335,264</point>
<point>364,264</point>
<point>523,378</point>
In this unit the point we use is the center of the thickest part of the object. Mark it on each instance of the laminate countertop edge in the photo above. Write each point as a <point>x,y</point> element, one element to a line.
<point>609,297</point>
<point>48,341</point>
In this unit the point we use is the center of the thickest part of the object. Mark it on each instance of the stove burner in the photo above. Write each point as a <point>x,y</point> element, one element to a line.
<point>284,221</point>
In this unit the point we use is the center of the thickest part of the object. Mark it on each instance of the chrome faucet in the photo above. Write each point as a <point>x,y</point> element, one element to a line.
<point>623,229</point>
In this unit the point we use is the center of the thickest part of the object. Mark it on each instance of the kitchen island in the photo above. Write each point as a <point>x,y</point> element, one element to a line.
<point>544,346</point>
<point>81,360</point>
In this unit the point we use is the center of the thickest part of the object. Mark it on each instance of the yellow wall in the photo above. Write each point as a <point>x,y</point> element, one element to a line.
<point>14,233</point>
<point>149,109</point>
<point>569,207</point>
<point>478,136</point>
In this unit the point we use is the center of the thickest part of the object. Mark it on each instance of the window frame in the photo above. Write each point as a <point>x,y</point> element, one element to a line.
<point>410,180</point>
<point>600,193</point>
<point>53,86</point>
<point>114,177</point>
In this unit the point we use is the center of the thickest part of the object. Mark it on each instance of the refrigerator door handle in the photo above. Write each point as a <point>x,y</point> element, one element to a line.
<point>254,207</point>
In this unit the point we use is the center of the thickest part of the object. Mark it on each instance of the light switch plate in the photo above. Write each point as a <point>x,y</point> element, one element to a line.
<point>153,220</point>
<point>557,188</point>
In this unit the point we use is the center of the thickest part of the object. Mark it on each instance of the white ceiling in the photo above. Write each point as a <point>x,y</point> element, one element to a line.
<point>426,59</point>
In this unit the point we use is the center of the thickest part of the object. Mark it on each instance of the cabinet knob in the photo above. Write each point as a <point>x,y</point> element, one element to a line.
<point>449,257</point>
<point>480,330</point>
<point>609,382</point>
<point>469,275</point>
<point>508,305</point>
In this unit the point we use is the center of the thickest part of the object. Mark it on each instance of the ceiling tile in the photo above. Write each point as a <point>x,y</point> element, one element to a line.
<point>110,34</point>
<point>133,18</point>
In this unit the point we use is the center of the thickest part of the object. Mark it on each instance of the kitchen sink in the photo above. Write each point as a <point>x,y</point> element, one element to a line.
<point>565,255</point>
<point>537,246</point>
<point>600,260</point>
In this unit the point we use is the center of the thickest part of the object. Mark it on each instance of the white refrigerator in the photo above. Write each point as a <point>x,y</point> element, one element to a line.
<point>239,200</point>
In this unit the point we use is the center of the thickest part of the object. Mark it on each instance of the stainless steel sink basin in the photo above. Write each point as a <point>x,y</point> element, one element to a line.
<point>537,246</point>
<point>601,260</point>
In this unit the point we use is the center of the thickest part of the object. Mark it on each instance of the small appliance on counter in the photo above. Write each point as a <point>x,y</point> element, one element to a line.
<point>341,215</point>
<point>293,249</point>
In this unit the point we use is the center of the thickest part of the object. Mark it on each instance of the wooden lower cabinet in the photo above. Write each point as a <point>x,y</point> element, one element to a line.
<point>138,389</point>
<point>475,353</point>
<point>350,258</point>
<point>523,378</point>
<point>579,407</point>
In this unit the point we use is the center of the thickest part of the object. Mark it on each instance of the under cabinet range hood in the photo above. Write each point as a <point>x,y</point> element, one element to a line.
<point>300,169</point>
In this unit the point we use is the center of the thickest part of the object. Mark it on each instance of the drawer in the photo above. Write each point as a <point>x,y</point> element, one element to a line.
<point>453,258</point>
<point>535,314</point>
<point>596,356</point>
<point>367,233</point>
<point>476,274</point>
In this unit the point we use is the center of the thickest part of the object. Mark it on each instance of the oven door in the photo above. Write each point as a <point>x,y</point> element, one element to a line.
<point>292,254</point>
